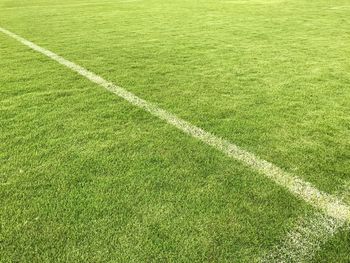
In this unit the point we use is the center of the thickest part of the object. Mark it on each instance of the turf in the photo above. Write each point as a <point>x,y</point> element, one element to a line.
<point>87,177</point>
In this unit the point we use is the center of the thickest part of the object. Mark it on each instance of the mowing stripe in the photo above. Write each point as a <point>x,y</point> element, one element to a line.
<point>340,7</point>
<point>304,190</point>
<point>305,239</point>
<point>72,5</point>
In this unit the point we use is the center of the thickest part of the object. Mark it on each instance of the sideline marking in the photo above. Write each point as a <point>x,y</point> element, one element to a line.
<point>330,205</point>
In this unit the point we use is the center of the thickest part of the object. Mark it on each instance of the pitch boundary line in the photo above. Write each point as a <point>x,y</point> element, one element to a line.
<point>330,205</point>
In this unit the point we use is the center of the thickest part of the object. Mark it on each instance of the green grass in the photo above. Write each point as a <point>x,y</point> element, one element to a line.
<point>86,177</point>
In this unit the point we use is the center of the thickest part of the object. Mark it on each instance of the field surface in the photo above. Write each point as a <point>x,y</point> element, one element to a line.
<point>85,176</point>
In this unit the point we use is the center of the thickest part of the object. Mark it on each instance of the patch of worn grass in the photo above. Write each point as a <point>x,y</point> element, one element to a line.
<point>337,249</point>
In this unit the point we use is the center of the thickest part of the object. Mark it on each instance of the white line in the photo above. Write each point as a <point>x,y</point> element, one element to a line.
<point>305,239</point>
<point>304,190</point>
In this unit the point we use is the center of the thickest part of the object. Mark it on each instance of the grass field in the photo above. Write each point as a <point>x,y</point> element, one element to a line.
<point>85,176</point>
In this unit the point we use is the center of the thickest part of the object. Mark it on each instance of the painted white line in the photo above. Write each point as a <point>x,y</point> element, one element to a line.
<point>305,239</point>
<point>304,190</point>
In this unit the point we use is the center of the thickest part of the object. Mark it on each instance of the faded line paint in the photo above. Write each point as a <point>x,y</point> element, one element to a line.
<point>305,239</point>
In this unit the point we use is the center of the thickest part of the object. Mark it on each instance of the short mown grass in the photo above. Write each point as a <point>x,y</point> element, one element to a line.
<point>87,177</point>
